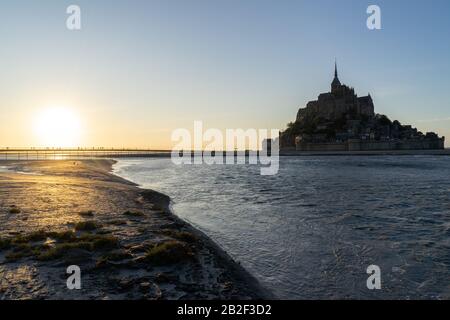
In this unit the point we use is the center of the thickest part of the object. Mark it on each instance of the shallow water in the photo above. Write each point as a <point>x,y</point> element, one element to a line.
<point>12,169</point>
<point>312,230</point>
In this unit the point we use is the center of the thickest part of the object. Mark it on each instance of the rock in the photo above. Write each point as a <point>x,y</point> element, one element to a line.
<point>150,290</point>
<point>227,286</point>
<point>144,286</point>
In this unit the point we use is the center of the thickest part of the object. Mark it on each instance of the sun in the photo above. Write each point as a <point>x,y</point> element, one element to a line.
<point>58,127</point>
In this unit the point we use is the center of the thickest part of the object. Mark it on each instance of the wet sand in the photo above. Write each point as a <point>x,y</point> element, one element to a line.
<point>125,240</point>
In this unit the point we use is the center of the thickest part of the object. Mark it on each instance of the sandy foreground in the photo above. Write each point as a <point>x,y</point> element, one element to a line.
<point>125,240</point>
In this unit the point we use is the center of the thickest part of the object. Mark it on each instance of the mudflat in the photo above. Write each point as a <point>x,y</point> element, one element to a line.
<point>125,240</point>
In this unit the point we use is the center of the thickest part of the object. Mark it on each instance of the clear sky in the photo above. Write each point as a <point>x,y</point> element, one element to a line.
<point>140,69</point>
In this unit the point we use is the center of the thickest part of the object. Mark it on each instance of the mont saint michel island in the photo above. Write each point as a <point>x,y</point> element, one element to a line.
<point>339,120</point>
<point>145,154</point>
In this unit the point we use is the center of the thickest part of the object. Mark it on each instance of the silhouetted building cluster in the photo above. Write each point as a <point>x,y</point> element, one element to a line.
<point>339,120</point>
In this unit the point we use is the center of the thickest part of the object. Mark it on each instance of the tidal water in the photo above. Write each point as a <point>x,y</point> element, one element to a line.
<point>311,231</point>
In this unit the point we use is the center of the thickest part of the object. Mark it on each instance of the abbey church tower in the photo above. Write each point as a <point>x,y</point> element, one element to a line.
<point>336,84</point>
<point>341,100</point>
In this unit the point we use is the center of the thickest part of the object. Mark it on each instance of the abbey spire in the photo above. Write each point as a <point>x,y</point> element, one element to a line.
<point>336,83</point>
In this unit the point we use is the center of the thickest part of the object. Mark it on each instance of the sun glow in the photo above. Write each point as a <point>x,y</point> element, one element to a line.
<point>58,127</point>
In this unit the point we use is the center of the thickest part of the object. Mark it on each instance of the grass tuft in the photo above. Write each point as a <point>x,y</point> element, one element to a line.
<point>20,251</point>
<point>181,235</point>
<point>34,236</point>
<point>87,214</point>
<point>86,225</point>
<point>23,246</point>
<point>60,249</point>
<point>133,213</point>
<point>99,241</point>
<point>169,252</point>
<point>63,236</point>
<point>116,255</point>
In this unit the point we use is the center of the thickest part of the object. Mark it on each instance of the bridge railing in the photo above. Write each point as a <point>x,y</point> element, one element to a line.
<point>68,154</point>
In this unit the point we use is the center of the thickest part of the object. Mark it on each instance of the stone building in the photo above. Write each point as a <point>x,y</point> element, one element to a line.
<point>339,120</point>
<point>339,101</point>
